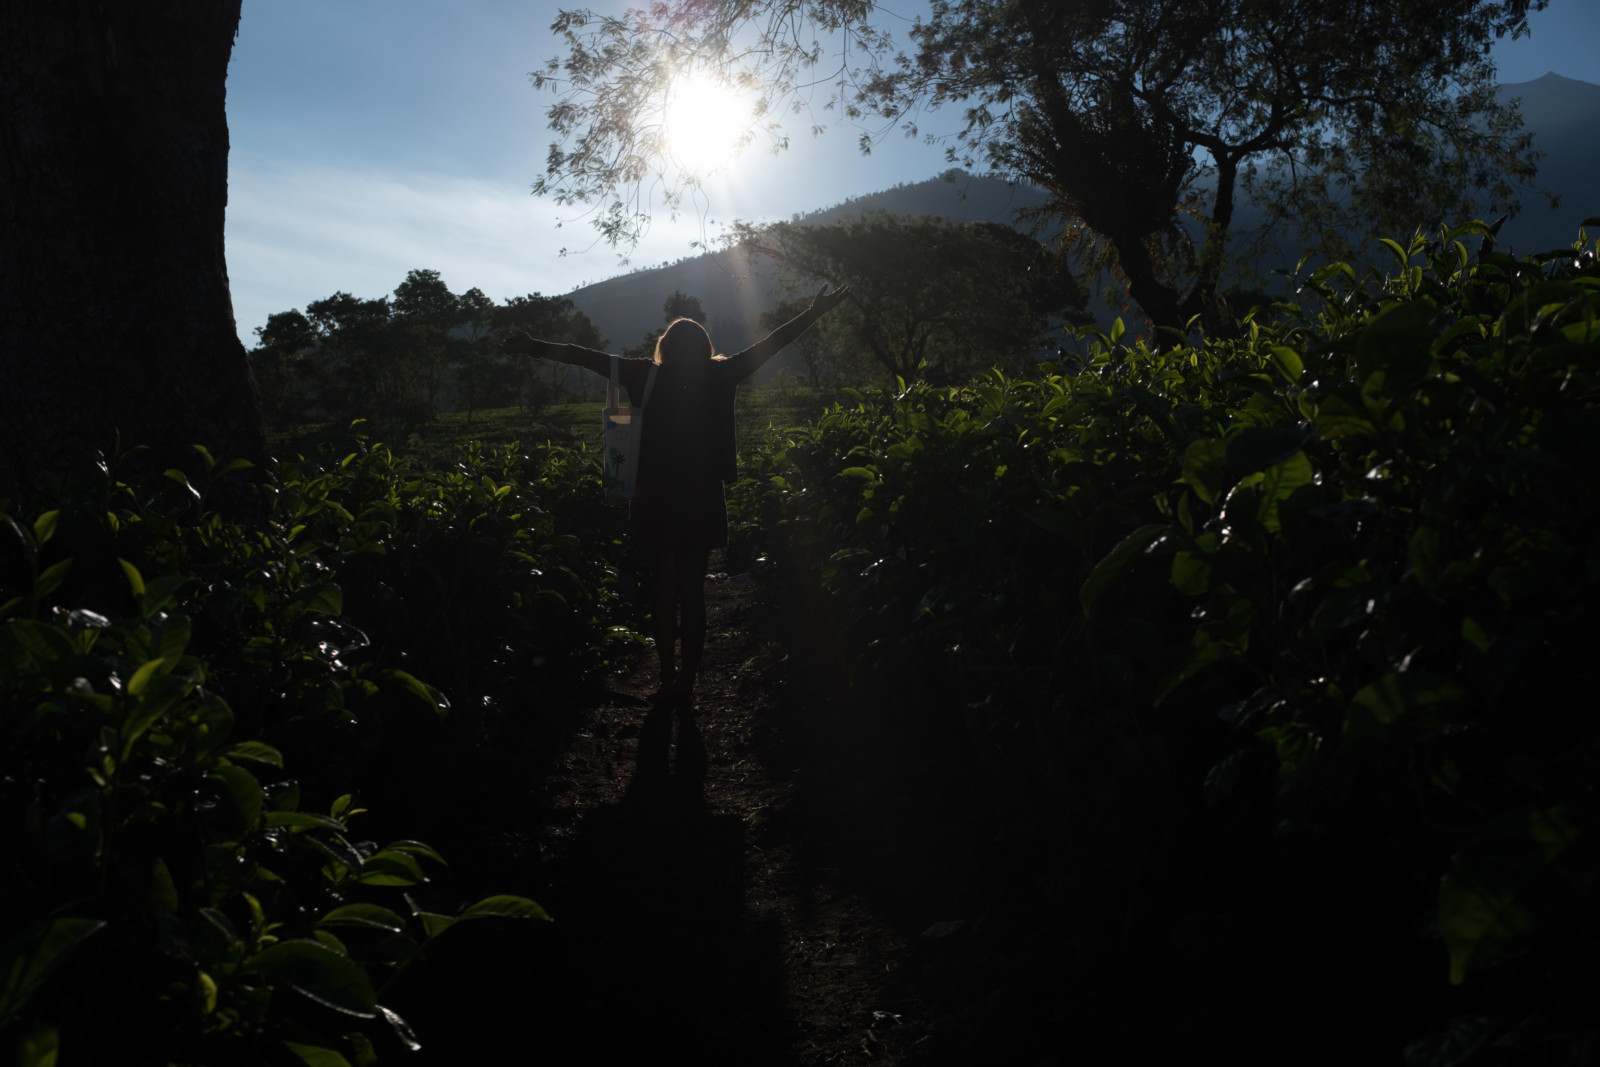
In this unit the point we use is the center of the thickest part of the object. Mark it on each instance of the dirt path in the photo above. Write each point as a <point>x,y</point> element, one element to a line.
<point>717,898</point>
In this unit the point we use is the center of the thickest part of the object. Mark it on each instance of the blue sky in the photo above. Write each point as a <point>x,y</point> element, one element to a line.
<point>373,137</point>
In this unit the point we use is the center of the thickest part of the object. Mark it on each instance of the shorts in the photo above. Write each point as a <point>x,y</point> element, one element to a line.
<point>682,516</point>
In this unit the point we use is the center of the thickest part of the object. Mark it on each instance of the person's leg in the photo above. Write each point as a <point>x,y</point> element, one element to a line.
<point>690,570</point>
<point>666,612</point>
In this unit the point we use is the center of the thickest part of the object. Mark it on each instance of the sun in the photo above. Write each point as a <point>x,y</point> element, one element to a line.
<point>706,122</point>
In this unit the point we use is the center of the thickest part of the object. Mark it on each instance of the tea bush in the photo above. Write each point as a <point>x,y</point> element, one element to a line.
<point>191,694</point>
<point>1338,568</point>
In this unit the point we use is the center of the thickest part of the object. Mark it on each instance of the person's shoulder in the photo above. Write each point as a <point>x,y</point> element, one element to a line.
<point>634,368</point>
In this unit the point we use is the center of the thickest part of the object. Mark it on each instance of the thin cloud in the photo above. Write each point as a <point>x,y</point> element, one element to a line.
<point>299,232</point>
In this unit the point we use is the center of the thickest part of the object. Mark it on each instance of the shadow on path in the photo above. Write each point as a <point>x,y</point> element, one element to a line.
<point>651,896</point>
<point>652,951</point>
<point>687,925</point>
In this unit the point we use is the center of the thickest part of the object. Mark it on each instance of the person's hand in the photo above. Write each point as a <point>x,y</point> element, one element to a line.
<point>826,301</point>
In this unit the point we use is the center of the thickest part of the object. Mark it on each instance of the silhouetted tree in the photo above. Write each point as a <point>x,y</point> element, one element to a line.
<point>289,373</point>
<point>483,372</point>
<point>354,344</point>
<point>553,318</point>
<point>812,346</point>
<point>1146,122</point>
<point>115,315</point>
<point>425,311</point>
<point>956,297</point>
<point>682,306</point>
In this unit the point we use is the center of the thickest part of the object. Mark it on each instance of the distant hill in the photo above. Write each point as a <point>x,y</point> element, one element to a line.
<point>955,195</point>
<point>1562,113</point>
<point>735,291</point>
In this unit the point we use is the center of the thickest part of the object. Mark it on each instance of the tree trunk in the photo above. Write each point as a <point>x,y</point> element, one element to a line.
<point>1157,300</point>
<point>115,316</point>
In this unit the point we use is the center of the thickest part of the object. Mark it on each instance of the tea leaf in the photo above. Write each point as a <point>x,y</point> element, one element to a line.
<point>256,751</point>
<point>1117,561</point>
<point>506,907</point>
<point>316,971</point>
<point>369,915</point>
<point>29,957</point>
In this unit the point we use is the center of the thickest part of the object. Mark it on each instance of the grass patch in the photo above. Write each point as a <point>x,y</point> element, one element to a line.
<point>574,424</point>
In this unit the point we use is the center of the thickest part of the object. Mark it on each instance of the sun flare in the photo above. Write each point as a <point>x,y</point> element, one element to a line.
<point>705,122</point>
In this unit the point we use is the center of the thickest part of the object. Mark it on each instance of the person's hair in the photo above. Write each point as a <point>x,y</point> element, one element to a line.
<point>684,341</point>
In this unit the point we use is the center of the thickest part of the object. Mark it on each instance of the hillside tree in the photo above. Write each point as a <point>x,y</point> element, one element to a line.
<point>928,296</point>
<point>1147,121</point>
<point>677,305</point>
<point>361,349</point>
<point>552,318</point>
<point>425,311</point>
<point>680,305</point>
<point>811,347</point>
<point>483,372</point>
<point>289,373</point>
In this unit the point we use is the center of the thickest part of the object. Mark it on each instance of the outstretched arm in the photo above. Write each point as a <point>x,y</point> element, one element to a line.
<point>590,359</point>
<point>789,332</point>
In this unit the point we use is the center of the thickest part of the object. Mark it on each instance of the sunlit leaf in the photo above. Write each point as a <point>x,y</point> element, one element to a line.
<point>1399,708</point>
<point>369,915</point>
<point>141,678</point>
<point>1205,469</point>
<point>256,751</point>
<point>506,907</point>
<point>44,527</point>
<point>1191,573</point>
<point>389,867</point>
<point>135,581</point>
<point>1506,885</point>
<point>402,1029</point>
<point>1288,362</point>
<point>39,1047</point>
<point>427,693</point>
<point>303,820</point>
<point>50,578</point>
<point>417,848</point>
<point>240,787</point>
<point>318,972</point>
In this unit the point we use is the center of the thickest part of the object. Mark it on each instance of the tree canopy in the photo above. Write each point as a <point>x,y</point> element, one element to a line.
<point>677,305</point>
<point>927,296</point>
<point>681,305</point>
<point>1148,121</point>
<point>401,358</point>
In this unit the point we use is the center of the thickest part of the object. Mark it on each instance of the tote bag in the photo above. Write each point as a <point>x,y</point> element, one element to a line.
<point>622,427</point>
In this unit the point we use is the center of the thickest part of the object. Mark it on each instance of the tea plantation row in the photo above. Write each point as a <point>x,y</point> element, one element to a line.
<point>1274,658</point>
<point>1270,659</point>
<point>190,698</point>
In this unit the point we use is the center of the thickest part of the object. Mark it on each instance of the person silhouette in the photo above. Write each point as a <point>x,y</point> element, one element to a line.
<point>687,453</point>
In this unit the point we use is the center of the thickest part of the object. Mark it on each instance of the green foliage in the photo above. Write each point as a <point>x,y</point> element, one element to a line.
<point>928,297</point>
<point>398,362</point>
<point>191,698</point>
<point>1360,536</point>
